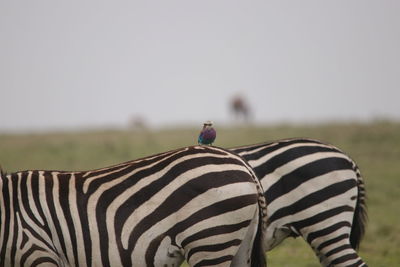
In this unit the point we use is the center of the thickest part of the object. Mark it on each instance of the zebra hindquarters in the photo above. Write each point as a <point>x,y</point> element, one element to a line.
<point>328,231</point>
<point>215,240</point>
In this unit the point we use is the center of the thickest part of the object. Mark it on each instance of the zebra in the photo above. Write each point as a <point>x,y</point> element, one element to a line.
<point>315,191</point>
<point>200,203</point>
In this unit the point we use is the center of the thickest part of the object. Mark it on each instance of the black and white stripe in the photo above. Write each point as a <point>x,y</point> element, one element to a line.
<point>313,190</point>
<point>199,203</point>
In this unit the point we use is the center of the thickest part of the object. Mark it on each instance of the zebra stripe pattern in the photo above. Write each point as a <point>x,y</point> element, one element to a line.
<point>312,190</point>
<point>199,203</point>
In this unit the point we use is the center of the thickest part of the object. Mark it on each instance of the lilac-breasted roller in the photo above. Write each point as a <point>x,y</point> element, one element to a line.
<point>207,134</point>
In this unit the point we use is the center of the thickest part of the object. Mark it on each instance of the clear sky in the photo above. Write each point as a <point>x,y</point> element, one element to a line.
<point>68,64</point>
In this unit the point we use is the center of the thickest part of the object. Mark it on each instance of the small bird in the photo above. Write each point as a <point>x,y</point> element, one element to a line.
<point>207,134</point>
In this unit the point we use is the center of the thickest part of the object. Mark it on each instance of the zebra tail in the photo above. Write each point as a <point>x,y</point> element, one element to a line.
<point>258,253</point>
<point>360,214</point>
<point>258,256</point>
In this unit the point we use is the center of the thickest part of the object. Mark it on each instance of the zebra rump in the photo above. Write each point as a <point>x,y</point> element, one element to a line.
<point>203,204</point>
<point>312,190</point>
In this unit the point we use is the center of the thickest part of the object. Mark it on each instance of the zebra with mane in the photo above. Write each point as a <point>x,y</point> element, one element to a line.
<point>203,204</point>
<point>315,191</point>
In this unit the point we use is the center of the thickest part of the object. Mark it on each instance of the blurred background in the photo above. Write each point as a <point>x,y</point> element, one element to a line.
<point>88,64</point>
<point>86,84</point>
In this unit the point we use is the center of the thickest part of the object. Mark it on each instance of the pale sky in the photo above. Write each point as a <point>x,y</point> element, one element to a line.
<point>69,64</point>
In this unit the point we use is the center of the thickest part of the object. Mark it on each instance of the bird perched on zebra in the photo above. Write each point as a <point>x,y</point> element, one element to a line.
<point>207,135</point>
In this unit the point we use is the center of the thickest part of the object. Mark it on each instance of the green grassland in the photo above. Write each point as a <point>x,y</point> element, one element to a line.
<point>374,146</point>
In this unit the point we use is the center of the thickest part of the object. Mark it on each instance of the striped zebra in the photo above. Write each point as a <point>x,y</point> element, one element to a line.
<point>312,190</point>
<point>201,203</point>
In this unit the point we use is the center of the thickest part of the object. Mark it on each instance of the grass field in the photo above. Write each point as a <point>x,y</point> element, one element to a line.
<point>374,146</point>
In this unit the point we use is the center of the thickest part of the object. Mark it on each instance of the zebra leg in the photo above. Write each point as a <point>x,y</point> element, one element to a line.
<point>341,256</point>
<point>30,251</point>
<point>332,245</point>
<point>221,245</point>
<point>43,260</point>
<point>243,256</point>
<point>326,226</point>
